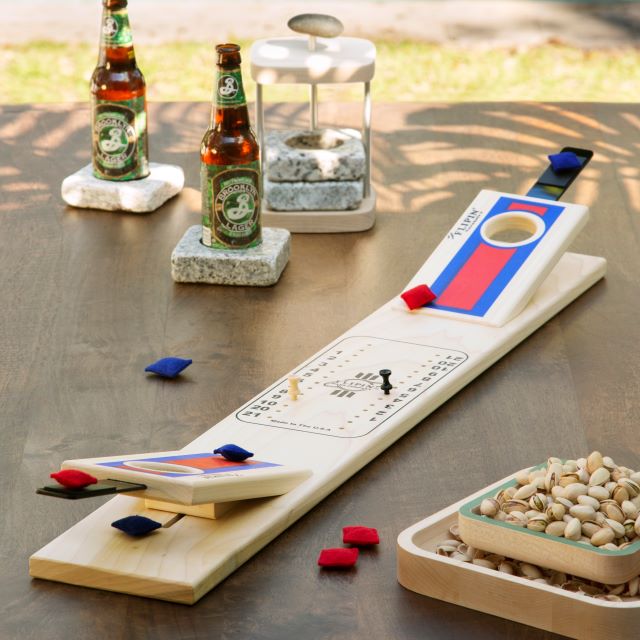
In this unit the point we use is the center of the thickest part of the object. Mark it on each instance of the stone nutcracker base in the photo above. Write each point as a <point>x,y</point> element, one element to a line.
<point>259,266</point>
<point>359,219</point>
<point>83,189</point>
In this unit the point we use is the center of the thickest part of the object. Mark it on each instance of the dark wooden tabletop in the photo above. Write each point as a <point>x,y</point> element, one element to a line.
<point>87,301</point>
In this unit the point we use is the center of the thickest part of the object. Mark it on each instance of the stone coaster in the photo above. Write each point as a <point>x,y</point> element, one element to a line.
<point>83,189</point>
<point>311,156</point>
<point>313,196</point>
<point>259,266</point>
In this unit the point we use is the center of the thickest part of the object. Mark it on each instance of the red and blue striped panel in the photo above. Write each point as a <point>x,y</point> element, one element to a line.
<point>208,462</point>
<point>479,272</point>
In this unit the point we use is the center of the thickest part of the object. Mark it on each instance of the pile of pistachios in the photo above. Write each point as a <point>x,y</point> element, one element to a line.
<point>591,500</point>
<point>455,549</point>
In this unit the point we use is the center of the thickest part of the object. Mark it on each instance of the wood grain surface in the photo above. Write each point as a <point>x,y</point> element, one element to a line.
<point>88,301</point>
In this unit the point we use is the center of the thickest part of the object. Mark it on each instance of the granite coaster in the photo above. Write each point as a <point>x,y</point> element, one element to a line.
<point>259,266</point>
<point>313,196</point>
<point>83,189</point>
<point>311,156</point>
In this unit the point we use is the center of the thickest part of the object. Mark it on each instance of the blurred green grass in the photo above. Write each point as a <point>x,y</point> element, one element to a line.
<point>406,71</point>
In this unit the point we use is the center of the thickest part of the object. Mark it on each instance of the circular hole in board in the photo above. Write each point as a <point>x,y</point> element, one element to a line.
<point>163,467</point>
<point>512,229</point>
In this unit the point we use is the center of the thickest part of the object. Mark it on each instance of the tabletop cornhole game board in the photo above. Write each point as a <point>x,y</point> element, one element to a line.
<point>547,607</point>
<point>341,418</point>
<point>190,479</point>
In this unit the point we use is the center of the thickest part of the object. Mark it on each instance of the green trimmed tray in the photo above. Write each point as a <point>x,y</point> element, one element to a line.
<point>603,565</point>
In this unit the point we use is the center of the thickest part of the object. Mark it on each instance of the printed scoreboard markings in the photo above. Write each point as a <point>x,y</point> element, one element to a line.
<point>340,392</point>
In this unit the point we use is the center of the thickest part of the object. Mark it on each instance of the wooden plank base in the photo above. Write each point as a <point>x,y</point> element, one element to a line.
<point>432,359</point>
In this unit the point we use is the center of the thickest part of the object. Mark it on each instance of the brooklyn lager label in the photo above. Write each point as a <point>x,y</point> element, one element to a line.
<point>229,89</point>
<point>116,31</point>
<point>231,205</point>
<point>119,139</point>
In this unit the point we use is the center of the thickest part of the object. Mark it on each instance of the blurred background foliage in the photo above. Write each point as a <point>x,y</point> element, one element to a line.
<point>406,71</point>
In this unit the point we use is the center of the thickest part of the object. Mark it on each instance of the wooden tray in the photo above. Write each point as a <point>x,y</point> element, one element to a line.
<point>587,561</point>
<point>574,615</point>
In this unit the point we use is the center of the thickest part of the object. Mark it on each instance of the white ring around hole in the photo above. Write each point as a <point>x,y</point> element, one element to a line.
<point>517,220</point>
<point>162,467</point>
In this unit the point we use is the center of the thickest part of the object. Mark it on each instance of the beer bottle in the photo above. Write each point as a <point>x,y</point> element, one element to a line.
<point>230,163</point>
<point>118,101</point>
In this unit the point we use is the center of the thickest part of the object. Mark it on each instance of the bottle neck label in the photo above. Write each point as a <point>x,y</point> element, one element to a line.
<point>229,90</point>
<point>116,31</point>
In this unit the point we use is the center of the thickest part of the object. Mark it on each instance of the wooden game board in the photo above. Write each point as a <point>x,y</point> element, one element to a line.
<point>341,419</point>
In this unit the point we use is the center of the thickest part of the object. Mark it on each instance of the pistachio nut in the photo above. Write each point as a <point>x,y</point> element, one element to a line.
<point>573,490</point>
<point>522,477</point>
<point>618,528</point>
<point>567,504</point>
<point>444,550</point>
<point>482,562</point>
<point>590,528</point>
<point>582,512</point>
<point>524,493</point>
<point>617,474</point>
<point>613,511</point>
<point>530,571</point>
<point>632,487</point>
<point>506,567</point>
<point>629,530</point>
<point>555,511</point>
<point>515,505</point>
<point>610,486</point>
<point>602,537</point>
<point>599,493</point>
<point>629,509</point>
<point>538,502</point>
<point>599,477</point>
<point>569,478</point>
<point>594,461</point>
<point>538,523</point>
<point>600,518</point>
<point>620,494</point>
<point>573,530</point>
<point>489,507</point>
<point>518,518</point>
<point>589,501</point>
<point>556,528</point>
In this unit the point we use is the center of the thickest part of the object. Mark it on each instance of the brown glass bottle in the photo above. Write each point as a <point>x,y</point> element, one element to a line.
<point>230,163</point>
<point>118,101</point>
